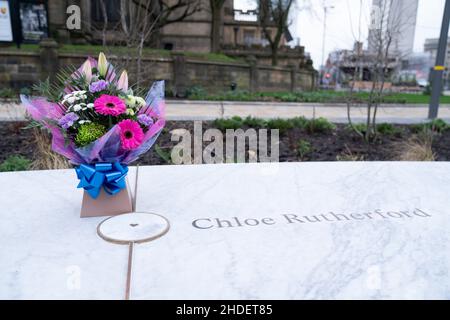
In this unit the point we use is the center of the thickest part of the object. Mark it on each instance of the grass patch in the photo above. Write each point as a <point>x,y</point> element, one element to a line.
<point>15,163</point>
<point>88,49</point>
<point>418,148</point>
<point>313,97</point>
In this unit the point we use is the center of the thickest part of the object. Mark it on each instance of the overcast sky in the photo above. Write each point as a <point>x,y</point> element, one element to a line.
<point>343,23</point>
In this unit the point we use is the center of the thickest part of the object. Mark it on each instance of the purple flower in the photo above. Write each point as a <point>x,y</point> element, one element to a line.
<point>68,120</point>
<point>145,120</point>
<point>98,86</point>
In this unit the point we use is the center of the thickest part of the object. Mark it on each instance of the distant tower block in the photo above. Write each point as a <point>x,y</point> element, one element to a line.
<point>397,17</point>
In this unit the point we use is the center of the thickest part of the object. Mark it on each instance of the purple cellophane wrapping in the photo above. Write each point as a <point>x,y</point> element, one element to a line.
<point>108,147</point>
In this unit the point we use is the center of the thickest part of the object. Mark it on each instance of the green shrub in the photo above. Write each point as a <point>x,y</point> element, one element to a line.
<point>196,92</point>
<point>7,93</point>
<point>299,122</point>
<point>417,128</point>
<point>361,127</point>
<point>232,123</point>
<point>438,125</point>
<point>15,163</point>
<point>163,154</point>
<point>281,124</point>
<point>320,125</point>
<point>388,129</point>
<point>25,91</point>
<point>255,122</point>
<point>303,148</point>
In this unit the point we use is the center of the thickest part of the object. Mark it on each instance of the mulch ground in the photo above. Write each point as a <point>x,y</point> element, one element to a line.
<point>340,144</point>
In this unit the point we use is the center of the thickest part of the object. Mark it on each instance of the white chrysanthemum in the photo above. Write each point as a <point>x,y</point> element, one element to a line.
<point>140,101</point>
<point>77,107</point>
<point>71,100</point>
<point>130,100</point>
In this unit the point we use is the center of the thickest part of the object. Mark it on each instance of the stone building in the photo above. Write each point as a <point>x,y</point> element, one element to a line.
<point>241,33</point>
<point>240,36</point>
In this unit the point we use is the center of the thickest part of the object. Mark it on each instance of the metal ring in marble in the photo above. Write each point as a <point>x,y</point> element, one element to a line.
<point>133,227</point>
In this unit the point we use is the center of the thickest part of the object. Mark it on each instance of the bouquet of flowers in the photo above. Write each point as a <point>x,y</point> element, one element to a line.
<point>99,124</point>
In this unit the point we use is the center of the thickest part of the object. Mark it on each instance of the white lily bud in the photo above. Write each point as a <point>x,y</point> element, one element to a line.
<point>102,64</point>
<point>87,71</point>
<point>122,84</point>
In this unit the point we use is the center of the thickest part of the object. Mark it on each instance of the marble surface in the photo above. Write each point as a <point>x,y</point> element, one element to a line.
<point>350,230</point>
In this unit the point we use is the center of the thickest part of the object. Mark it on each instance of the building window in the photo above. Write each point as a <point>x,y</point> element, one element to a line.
<point>249,37</point>
<point>112,10</point>
<point>264,40</point>
<point>168,46</point>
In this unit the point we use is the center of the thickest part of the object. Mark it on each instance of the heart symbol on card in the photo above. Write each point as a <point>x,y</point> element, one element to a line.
<point>134,224</point>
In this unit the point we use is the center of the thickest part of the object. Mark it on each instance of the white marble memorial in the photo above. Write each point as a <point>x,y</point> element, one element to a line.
<point>344,230</point>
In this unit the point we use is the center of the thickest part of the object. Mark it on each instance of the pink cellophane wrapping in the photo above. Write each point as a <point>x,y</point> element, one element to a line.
<point>108,147</point>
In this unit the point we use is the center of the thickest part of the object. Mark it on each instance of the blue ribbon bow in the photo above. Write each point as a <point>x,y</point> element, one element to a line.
<point>109,175</point>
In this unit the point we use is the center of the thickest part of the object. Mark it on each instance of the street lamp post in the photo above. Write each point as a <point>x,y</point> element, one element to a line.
<point>439,67</point>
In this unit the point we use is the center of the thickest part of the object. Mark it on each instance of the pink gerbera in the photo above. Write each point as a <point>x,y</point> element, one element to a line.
<point>131,134</point>
<point>109,105</point>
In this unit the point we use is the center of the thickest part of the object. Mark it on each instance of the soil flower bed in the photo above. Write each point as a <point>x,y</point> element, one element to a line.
<point>321,141</point>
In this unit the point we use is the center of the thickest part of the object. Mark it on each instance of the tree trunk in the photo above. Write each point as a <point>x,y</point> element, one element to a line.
<point>274,54</point>
<point>216,24</point>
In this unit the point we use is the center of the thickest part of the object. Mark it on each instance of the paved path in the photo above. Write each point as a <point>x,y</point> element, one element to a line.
<point>210,110</point>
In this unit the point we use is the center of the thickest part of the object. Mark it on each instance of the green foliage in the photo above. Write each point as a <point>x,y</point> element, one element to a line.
<point>163,154</point>
<point>15,163</point>
<point>7,93</point>
<point>320,125</point>
<point>196,92</point>
<point>255,122</point>
<point>360,127</point>
<point>303,148</point>
<point>55,91</point>
<point>438,125</point>
<point>299,122</point>
<point>88,133</point>
<point>94,50</point>
<point>281,124</point>
<point>388,129</point>
<point>316,97</point>
<point>232,123</point>
<point>25,91</point>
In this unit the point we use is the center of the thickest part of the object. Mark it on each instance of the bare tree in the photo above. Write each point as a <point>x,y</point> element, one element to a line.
<point>379,61</point>
<point>105,21</point>
<point>274,16</point>
<point>143,19</point>
<point>216,22</point>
